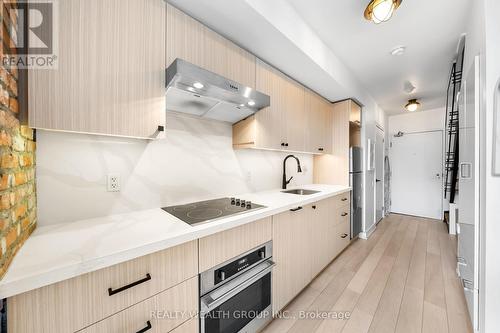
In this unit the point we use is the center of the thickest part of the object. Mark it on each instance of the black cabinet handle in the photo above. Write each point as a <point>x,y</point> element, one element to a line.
<point>321,149</point>
<point>313,207</point>
<point>111,292</point>
<point>344,199</point>
<point>282,144</point>
<point>343,236</point>
<point>147,328</point>
<point>161,128</point>
<point>286,144</point>
<point>344,214</point>
<point>296,209</point>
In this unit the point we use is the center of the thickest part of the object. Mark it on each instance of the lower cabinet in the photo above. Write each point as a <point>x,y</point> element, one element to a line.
<point>305,241</point>
<point>159,314</point>
<point>291,254</point>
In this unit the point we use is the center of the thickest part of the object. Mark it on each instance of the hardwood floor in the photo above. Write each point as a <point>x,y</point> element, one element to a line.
<point>400,280</point>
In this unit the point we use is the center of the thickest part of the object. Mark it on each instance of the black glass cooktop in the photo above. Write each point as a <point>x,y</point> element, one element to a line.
<point>207,211</point>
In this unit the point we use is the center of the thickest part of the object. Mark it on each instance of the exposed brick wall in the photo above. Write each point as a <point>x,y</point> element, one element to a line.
<point>17,159</point>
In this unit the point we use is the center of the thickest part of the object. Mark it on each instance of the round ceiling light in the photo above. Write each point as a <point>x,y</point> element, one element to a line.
<point>412,105</point>
<point>381,10</point>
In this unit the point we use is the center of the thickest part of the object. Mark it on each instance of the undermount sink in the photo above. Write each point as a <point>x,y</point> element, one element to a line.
<point>300,192</point>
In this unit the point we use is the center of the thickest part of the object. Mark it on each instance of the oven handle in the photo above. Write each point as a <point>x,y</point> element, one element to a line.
<point>211,303</point>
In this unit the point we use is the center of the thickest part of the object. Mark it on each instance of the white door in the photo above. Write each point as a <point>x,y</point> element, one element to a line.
<point>417,160</point>
<point>379,173</point>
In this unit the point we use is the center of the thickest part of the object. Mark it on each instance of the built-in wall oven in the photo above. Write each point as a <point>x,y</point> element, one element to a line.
<point>236,295</point>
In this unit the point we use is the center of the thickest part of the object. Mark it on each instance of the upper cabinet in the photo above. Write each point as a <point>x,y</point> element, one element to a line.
<point>297,120</point>
<point>193,42</point>
<point>111,70</point>
<point>319,124</point>
<point>334,168</point>
<point>355,111</point>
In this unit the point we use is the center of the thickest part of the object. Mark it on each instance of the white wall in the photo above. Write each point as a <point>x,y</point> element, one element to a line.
<point>417,121</point>
<point>195,162</point>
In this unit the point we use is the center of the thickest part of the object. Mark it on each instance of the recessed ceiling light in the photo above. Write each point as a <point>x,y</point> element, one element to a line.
<point>198,85</point>
<point>398,50</point>
<point>251,103</point>
<point>412,105</point>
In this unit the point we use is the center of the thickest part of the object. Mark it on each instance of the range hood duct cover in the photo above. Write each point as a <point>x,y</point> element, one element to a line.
<point>216,97</point>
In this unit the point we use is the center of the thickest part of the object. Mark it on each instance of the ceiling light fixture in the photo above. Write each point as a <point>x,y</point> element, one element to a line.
<point>398,51</point>
<point>381,10</point>
<point>412,105</point>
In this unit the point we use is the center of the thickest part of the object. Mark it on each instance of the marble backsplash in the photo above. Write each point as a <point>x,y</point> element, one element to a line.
<point>195,162</point>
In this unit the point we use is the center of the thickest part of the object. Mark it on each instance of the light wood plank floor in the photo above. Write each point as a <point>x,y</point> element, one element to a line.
<point>400,280</point>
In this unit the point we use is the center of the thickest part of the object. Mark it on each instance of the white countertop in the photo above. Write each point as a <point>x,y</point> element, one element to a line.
<point>59,252</point>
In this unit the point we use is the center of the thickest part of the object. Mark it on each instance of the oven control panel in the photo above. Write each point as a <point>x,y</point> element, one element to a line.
<point>235,267</point>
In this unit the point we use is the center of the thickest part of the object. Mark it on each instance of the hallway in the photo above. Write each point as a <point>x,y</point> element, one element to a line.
<point>401,280</point>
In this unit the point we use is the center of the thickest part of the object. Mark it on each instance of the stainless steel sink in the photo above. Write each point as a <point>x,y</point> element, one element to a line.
<point>300,192</point>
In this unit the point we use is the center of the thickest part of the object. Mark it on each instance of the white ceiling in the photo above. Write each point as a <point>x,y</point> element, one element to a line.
<point>331,48</point>
<point>430,29</point>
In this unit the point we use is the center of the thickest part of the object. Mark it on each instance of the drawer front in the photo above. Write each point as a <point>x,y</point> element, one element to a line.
<point>159,314</point>
<point>343,214</point>
<point>342,238</point>
<point>73,304</point>
<point>191,326</point>
<point>220,247</point>
<point>343,199</point>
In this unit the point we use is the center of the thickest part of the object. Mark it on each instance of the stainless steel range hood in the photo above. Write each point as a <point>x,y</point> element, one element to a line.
<point>199,92</point>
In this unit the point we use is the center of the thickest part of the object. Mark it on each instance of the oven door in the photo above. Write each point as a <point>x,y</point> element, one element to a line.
<point>241,305</point>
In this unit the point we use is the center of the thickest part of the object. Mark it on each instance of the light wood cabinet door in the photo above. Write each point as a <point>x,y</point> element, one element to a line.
<point>318,123</point>
<point>291,252</point>
<point>295,116</point>
<point>270,122</point>
<point>222,246</point>
<point>334,167</point>
<point>111,70</point>
<point>73,304</point>
<point>192,41</point>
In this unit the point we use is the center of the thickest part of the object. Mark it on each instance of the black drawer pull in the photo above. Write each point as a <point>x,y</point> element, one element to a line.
<point>344,199</point>
<point>147,328</point>
<point>321,149</point>
<point>343,236</point>
<point>344,214</point>
<point>111,292</point>
<point>295,209</point>
<point>313,207</point>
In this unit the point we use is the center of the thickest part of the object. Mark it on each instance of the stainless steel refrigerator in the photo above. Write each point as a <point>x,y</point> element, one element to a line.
<point>356,182</point>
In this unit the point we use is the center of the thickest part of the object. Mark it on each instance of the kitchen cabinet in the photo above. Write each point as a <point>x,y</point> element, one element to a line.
<point>161,313</point>
<point>111,70</point>
<point>322,227</point>
<point>333,168</point>
<point>291,252</point>
<point>355,111</point>
<point>279,126</point>
<point>318,123</point>
<point>193,42</point>
<point>220,247</point>
<point>73,304</point>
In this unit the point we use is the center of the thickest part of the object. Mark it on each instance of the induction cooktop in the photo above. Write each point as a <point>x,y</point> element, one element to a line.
<point>210,210</point>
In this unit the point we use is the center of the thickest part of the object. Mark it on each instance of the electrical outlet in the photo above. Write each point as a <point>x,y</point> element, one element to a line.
<point>113,183</point>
